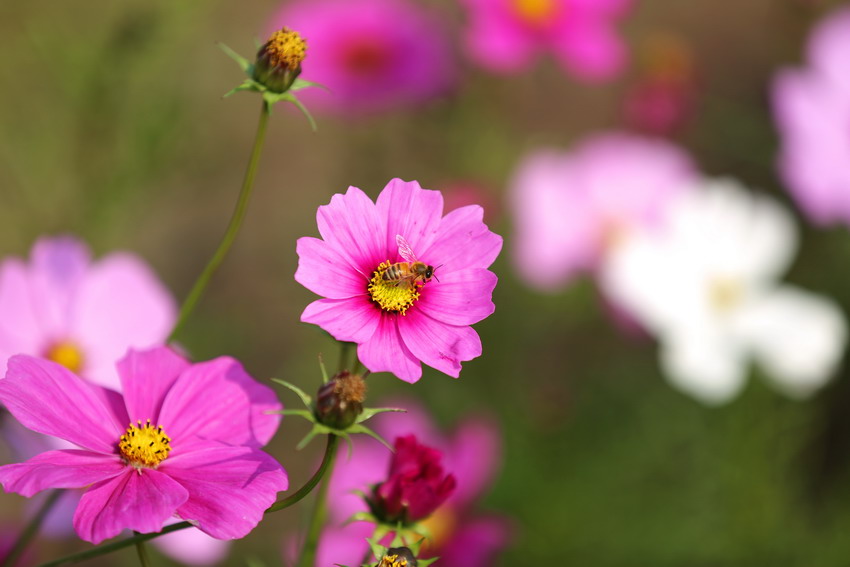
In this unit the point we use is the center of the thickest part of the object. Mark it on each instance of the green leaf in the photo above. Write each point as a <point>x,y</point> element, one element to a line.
<point>291,98</point>
<point>307,400</point>
<point>299,84</point>
<point>243,63</point>
<point>357,428</point>
<point>371,412</point>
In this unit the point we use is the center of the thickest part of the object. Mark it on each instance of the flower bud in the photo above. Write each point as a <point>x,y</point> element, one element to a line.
<point>417,484</point>
<point>398,557</point>
<point>340,400</point>
<point>279,60</point>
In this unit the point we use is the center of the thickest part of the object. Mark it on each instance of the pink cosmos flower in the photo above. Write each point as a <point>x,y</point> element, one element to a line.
<point>572,207</point>
<point>191,449</point>
<point>63,306</point>
<point>506,35</point>
<point>812,111</point>
<point>461,536</point>
<point>371,54</point>
<point>395,320</point>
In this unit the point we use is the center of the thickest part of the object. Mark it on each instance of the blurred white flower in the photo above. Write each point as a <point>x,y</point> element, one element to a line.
<point>705,286</point>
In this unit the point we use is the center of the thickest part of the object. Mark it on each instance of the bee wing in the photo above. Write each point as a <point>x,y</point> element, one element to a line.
<point>404,249</point>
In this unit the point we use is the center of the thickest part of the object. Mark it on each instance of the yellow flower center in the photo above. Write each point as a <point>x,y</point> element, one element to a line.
<point>144,446</point>
<point>725,294</point>
<point>393,296</point>
<point>67,354</point>
<point>286,47</point>
<point>393,561</point>
<point>441,525</point>
<point>536,12</point>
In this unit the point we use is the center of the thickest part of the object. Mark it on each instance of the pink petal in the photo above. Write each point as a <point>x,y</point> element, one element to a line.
<point>49,399</point>
<point>474,457</point>
<point>350,225</point>
<point>120,304</point>
<point>412,212</point>
<point>229,487</point>
<point>146,377</point>
<point>140,500</point>
<point>344,545</point>
<point>59,469</point>
<point>325,272</point>
<point>353,320</point>
<point>217,400</point>
<point>460,298</point>
<point>478,542</point>
<point>439,345</point>
<point>385,351</point>
<point>463,241</point>
<point>57,267</point>
<point>590,49</point>
<point>496,40</point>
<point>20,327</point>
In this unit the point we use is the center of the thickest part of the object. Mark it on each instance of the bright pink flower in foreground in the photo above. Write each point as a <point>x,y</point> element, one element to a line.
<point>372,55</point>
<point>191,451</point>
<point>506,35</point>
<point>462,536</point>
<point>397,324</point>
<point>572,207</point>
<point>415,486</point>
<point>63,306</point>
<point>812,110</point>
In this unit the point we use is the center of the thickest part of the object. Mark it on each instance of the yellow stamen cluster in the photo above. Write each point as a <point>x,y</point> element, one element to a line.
<point>393,561</point>
<point>725,294</point>
<point>536,12</point>
<point>67,354</point>
<point>392,296</point>
<point>144,446</point>
<point>287,48</point>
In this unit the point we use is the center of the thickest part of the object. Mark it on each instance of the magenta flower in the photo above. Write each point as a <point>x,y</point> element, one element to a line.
<point>416,484</point>
<point>191,449</point>
<point>812,111</point>
<point>572,207</point>
<point>395,319</point>
<point>505,36</point>
<point>461,535</point>
<point>372,55</point>
<point>62,306</point>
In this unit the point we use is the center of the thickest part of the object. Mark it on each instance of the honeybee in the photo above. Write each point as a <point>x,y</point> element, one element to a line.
<point>411,270</point>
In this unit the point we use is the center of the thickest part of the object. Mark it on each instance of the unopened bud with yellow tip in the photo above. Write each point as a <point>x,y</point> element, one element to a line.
<point>279,60</point>
<point>340,400</point>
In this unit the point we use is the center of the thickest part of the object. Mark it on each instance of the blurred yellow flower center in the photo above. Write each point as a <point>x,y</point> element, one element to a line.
<point>725,294</point>
<point>536,12</point>
<point>67,354</point>
<point>393,561</point>
<point>144,446</point>
<point>441,525</point>
<point>394,296</point>
<point>286,47</point>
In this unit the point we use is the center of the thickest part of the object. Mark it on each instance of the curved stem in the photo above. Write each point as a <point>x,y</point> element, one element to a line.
<point>31,530</point>
<point>297,496</point>
<point>232,228</point>
<point>143,553</point>
<point>311,543</point>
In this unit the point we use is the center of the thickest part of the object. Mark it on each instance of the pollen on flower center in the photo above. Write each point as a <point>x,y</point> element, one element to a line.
<point>536,12</point>
<point>144,446</point>
<point>286,47</point>
<point>724,294</point>
<point>67,354</point>
<point>393,561</point>
<point>393,296</point>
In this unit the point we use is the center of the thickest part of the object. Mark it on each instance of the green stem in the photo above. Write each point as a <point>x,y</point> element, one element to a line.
<point>32,528</point>
<point>143,553</point>
<point>232,228</point>
<point>311,543</point>
<point>297,496</point>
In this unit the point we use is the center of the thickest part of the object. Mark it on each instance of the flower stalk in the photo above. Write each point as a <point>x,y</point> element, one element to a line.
<point>232,228</point>
<point>31,530</point>
<point>317,521</point>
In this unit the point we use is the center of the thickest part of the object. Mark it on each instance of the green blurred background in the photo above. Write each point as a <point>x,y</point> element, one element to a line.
<point>112,127</point>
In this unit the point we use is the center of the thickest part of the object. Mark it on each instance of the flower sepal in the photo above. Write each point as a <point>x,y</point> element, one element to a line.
<point>335,420</point>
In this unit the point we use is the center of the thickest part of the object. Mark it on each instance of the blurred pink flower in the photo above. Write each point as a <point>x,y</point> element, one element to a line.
<point>812,111</point>
<point>397,324</point>
<point>194,452</point>
<point>572,207</point>
<point>506,35</point>
<point>63,306</point>
<point>462,537</point>
<point>372,55</point>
